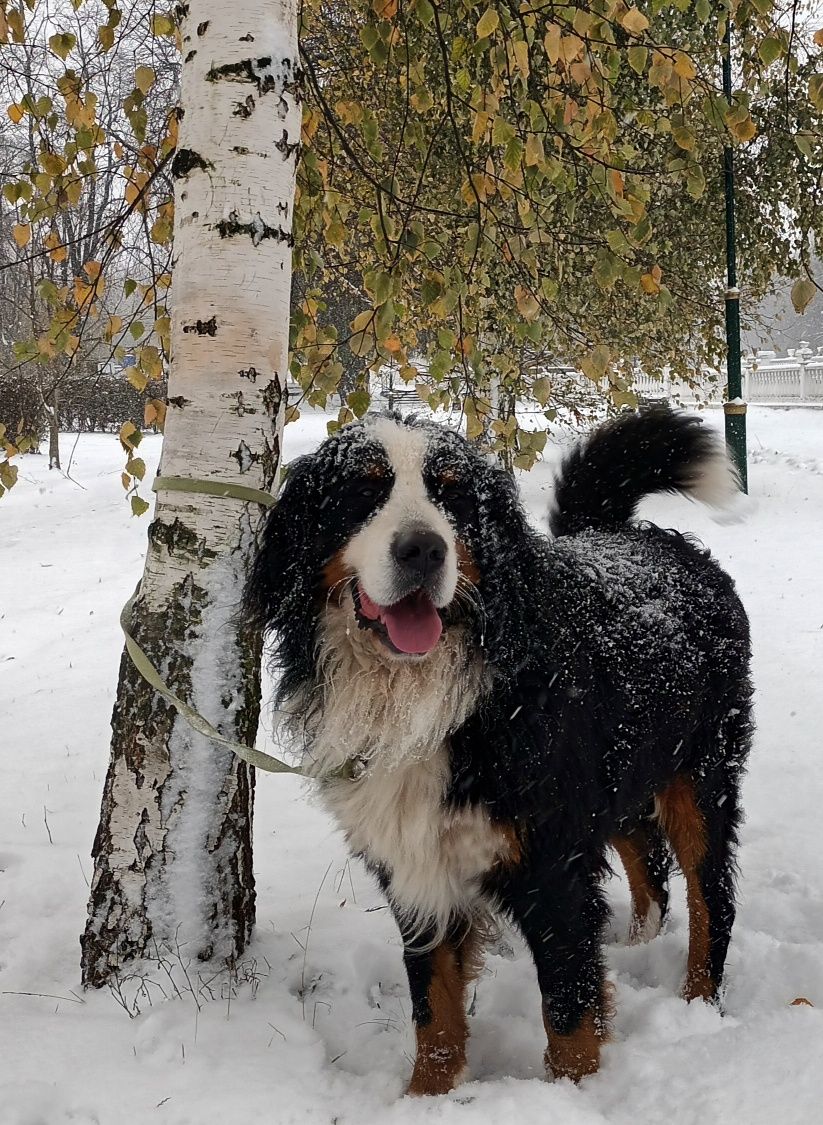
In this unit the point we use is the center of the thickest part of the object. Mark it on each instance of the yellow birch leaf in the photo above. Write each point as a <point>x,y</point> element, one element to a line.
<point>21,233</point>
<point>527,305</point>
<point>552,42</point>
<point>521,56</point>
<point>488,23</point>
<point>634,21</point>
<point>803,291</point>
<point>144,78</point>
<point>684,67</point>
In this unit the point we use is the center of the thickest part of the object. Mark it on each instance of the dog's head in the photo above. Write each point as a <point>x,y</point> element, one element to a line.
<point>400,525</point>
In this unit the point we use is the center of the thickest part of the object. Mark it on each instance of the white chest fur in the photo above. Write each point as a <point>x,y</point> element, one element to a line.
<point>434,855</point>
<point>395,718</point>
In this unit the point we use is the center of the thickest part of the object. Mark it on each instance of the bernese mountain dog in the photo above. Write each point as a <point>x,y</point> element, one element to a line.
<point>488,711</point>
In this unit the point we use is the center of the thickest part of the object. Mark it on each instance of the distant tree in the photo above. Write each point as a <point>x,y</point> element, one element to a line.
<point>86,139</point>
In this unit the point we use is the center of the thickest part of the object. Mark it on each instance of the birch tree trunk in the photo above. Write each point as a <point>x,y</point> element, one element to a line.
<point>172,854</point>
<point>51,405</point>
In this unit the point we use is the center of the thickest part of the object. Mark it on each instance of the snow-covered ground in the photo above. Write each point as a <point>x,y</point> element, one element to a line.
<point>315,1025</point>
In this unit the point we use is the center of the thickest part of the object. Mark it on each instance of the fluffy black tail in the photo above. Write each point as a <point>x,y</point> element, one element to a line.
<point>654,449</point>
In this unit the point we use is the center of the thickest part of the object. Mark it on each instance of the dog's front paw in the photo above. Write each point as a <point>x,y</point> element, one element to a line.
<point>436,1072</point>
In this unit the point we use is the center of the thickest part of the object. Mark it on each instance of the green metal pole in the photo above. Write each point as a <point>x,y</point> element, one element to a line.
<point>734,407</point>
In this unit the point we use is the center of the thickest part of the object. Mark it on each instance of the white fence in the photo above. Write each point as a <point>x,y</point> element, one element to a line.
<point>796,377</point>
<point>788,380</point>
<point>767,378</point>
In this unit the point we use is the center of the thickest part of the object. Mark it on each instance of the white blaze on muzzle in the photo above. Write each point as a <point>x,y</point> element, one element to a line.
<point>372,553</point>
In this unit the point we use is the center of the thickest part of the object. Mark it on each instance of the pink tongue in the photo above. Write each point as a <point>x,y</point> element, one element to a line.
<point>413,624</point>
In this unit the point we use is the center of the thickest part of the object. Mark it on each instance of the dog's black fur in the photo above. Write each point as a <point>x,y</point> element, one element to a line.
<point>619,661</point>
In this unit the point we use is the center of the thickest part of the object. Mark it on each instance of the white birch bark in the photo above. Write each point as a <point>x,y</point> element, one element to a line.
<point>173,848</point>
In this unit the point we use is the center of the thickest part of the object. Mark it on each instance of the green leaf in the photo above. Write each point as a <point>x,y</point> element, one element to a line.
<point>637,57</point>
<point>816,90</point>
<point>770,50</point>
<point>695,181</point>
<point>378,285</point>
<point>683,137</point>
<point>62,43</point>
<point>359,402</point>
<point>138,505</point>
<point>425,12</point>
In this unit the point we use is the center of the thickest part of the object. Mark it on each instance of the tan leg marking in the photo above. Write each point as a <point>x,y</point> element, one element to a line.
<point>644,893</point>
<point>576,1055</point>
<point>441,1044</point>
<point>683,823</point>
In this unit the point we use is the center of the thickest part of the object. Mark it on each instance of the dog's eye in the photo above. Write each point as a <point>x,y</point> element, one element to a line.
<point>364,488</point>
<point>454,497</point>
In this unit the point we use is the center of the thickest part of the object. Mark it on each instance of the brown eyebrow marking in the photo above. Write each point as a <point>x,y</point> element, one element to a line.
<point>376,470</point>
<point>448,476</point>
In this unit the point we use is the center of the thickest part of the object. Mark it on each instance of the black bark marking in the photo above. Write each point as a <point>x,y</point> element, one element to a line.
<point>247,38</point>
<point>272,396</point>
<point>190,55</point>
<point>179,401</point>
<point>284,146</point>
<point>240,408</point>
<point>203,27</point>
<point>180,540</point>
<point>245,457</point>
<point>248,70</point>
<point>245,108</point>
<point>181,11</point>
<point>258,229</point>
<point>249,373</point>
<point>185,161</point>
<point>203,327</point>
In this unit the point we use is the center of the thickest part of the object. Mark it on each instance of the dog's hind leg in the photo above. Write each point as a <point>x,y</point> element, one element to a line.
<point>645,855</point>
<point>438,976</point>
<point>700,820</point>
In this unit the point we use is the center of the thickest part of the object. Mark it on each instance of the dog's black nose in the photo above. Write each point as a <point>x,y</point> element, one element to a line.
<point>420,552</point>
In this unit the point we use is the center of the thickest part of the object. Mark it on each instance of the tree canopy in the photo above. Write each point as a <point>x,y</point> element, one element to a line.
<point>487,190</point>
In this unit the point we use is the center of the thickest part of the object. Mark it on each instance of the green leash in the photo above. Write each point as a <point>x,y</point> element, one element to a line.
<point>147,670</point>
<point>214,488</point>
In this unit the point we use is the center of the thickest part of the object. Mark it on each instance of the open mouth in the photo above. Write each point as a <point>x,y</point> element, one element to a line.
<point>411,626</point>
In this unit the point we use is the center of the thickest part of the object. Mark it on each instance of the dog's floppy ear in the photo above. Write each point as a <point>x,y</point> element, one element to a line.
<point>278,589</point>
<point>507,551</point>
